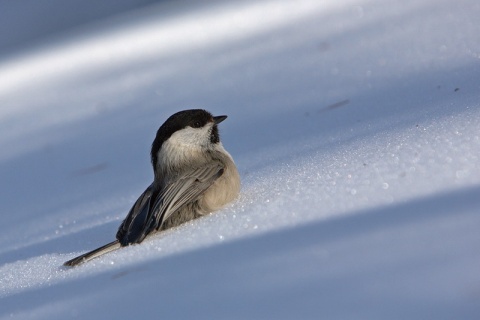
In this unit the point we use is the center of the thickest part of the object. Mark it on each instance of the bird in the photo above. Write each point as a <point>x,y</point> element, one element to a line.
<point>193,176</point>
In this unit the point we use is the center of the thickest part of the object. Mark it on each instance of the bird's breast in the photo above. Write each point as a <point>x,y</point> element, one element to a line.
<point>223,191</point>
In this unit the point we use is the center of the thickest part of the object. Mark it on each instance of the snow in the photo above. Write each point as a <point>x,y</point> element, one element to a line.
<point>354,126</point>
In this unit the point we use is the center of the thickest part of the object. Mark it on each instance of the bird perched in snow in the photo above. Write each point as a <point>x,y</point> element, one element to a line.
<point>193,176</point>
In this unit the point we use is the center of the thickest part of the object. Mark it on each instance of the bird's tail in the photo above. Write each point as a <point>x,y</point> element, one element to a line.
<point>114,245</point>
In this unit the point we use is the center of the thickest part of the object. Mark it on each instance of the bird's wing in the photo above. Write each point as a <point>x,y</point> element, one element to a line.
<point>137,216</point>
<point>152,209</point>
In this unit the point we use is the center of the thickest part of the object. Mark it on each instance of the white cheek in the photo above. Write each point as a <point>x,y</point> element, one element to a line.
<point>183,145</point>
<point>191,137</point>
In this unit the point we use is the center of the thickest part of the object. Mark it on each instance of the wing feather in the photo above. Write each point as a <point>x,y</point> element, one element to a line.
<point>153,208</point>
<point>185,190</point>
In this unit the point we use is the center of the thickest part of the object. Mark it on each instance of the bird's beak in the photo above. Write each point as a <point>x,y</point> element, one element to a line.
<point>219,119</point>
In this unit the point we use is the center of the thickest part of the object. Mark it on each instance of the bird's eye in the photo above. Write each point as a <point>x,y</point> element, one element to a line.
<point>196,124</point>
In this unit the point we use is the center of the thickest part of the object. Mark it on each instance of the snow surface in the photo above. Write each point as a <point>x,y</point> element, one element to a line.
<point>354,125</point>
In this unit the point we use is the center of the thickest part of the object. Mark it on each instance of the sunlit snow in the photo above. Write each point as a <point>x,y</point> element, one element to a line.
<point>355,128</point>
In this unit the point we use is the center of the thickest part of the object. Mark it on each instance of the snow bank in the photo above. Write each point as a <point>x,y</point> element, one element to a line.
<point>355,129</point>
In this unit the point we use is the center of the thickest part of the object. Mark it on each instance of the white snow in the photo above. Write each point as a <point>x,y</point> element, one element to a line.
<point>355,128</point>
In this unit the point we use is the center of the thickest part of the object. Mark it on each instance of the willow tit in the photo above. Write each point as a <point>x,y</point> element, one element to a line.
<point>193,176</point>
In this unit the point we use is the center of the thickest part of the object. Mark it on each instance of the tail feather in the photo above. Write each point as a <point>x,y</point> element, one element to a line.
<point>114,245</point>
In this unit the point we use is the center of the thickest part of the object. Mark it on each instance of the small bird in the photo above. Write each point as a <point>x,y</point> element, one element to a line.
<point>193,176</point>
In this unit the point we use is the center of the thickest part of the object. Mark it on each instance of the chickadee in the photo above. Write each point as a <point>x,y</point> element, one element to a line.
<point>193,176</point>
